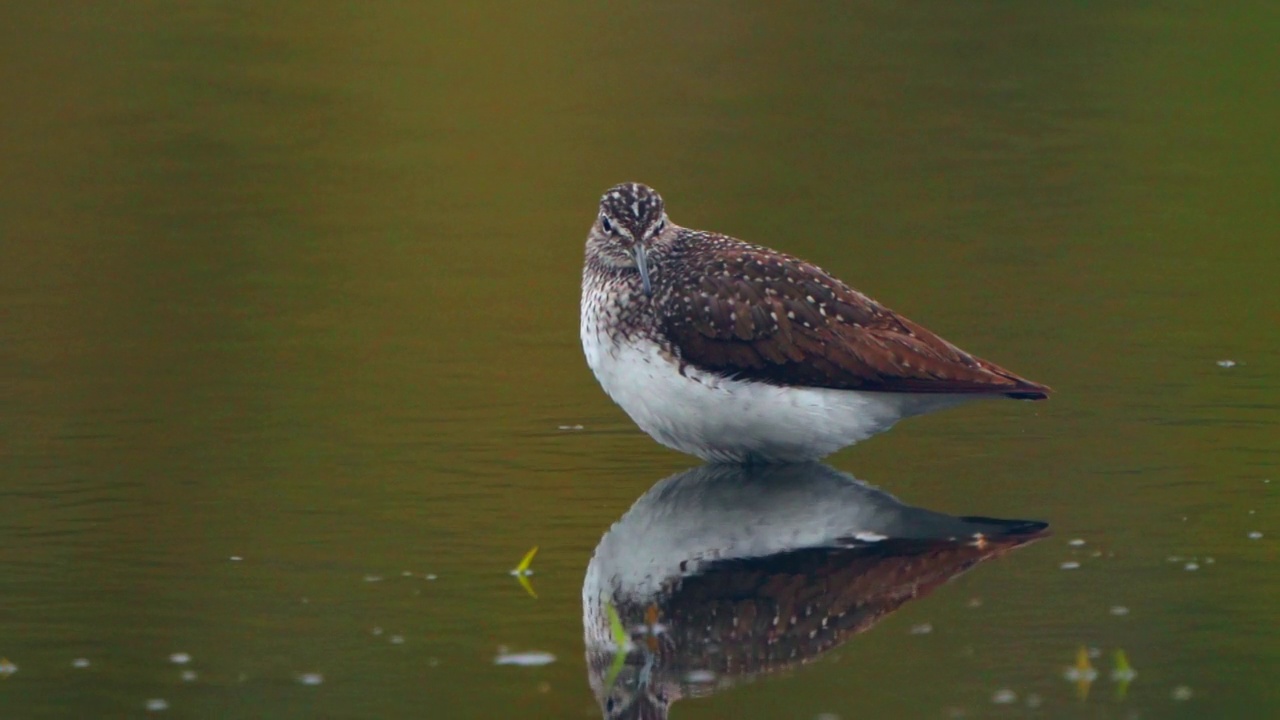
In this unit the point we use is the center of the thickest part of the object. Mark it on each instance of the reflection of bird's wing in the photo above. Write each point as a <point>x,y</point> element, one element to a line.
<point>765,613</point>
<point>759,315</point>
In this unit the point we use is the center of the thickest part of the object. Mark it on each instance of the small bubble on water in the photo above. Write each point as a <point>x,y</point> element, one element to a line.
<point>189,675</point>
<point>1191,566</point>
<point>80,663</point>
<point>431,576</point>
<point>373,578</point>
<point>1004,697</point>
<point>1255,535</point>
<point>405,573</point>
<point>1119,610</point>
<point>312,678</point>
<point>235,558</point>
<point>376,631</point>
<point>156,705</point>
<point>1069,565</point>
<point>921,629</point>
<point>524,659</point>
<point>700,676</point>
<point>1077,542</point>
<point>1226,363</point>
<point>1180,693</point>
<point>397,639</point>
<point>180,658</point>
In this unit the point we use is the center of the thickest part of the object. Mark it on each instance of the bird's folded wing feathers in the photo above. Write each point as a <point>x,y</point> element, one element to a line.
<point>773,318</point>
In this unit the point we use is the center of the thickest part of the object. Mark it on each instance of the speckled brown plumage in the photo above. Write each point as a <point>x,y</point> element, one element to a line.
<point>757,314</point>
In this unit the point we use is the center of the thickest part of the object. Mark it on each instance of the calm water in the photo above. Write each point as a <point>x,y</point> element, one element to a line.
<point>290,377</point>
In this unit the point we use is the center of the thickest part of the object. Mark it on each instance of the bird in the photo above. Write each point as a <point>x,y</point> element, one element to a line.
<point>738,353</point>
<point>723,573</point>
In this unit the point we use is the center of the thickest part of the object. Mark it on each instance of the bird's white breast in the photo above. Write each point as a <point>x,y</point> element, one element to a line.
<point>722,419</point>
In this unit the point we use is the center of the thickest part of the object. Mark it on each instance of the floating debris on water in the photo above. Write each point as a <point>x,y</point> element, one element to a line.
<point>921,629</point>
<point>80,663</point>
<point>1123,671</point>
<point>1180,693</point>
<point>524,659</point>
<point>156,705</point>
<point>1119,610</point>
<point>7,668</point>
<point>1226,363</point>
<point>523,571</point>
<point>1082,673</point>
<point>1069,565</point>
<point>311,678</point>
<point>1255,535</point>
<point>523,567</point>
<point>1122,674</point>
<point>180,658</point>
<point>1004,696</point>
<point>1076,542</point>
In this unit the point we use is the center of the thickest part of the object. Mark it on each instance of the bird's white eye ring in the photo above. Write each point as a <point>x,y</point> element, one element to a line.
<point>604,223</point>
<point>662,225</point>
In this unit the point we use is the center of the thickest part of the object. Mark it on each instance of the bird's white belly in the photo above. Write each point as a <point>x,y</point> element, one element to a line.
<point>726,420</point>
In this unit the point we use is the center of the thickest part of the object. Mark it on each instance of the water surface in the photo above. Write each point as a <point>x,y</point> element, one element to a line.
<point>290,376</point>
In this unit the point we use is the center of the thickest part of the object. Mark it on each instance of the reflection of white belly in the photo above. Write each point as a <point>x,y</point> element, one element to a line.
<point>726,420</point>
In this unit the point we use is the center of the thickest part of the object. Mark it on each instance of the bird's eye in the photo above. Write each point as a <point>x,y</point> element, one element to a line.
<point>662,225</point>
<point>604,223</point>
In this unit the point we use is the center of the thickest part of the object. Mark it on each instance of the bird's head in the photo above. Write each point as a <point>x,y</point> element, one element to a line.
<point>632,220</point>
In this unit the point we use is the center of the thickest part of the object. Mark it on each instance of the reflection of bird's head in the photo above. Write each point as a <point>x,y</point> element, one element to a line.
<point>628,685</point>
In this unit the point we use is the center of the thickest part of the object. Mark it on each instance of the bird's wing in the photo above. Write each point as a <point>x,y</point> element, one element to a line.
<point>757,315</point>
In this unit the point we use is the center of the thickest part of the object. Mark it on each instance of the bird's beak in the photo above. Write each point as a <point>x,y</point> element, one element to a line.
<point>642,264</point>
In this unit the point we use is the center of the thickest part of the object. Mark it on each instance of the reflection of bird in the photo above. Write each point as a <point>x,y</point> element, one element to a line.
<point>725,572</point>
<point>735,352</point>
